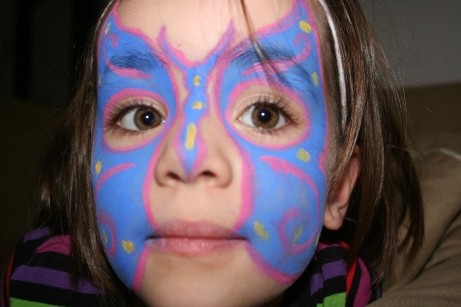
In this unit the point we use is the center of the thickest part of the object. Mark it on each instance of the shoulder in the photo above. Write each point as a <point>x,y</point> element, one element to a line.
<point>40,271</point>
<point>330,280</point>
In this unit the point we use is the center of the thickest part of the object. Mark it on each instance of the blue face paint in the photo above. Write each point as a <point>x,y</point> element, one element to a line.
<point>283,214</point>
<point>283,189</point>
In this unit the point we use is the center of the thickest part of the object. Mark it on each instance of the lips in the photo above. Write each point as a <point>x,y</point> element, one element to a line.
<point>196,238</point>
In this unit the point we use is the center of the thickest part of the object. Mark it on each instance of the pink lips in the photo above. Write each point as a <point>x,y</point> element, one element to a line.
<point>188,239</point>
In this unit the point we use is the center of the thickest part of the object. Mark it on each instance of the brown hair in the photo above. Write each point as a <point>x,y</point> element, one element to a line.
<point>386,194</point>
<point>387,191</point>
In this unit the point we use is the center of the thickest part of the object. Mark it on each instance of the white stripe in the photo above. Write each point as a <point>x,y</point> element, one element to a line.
<point>339,60</point>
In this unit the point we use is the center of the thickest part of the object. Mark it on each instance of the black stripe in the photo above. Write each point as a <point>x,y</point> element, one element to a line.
<point>52,295</point>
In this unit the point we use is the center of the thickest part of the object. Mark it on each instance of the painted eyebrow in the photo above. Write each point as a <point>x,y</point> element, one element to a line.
<point>249,56</point>
<point>136,60</point>
<point>269,55</point>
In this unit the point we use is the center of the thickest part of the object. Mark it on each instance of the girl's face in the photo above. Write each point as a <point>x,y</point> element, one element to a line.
<point>209,153</point>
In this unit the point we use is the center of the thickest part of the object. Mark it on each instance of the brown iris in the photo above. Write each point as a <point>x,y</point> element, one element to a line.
<point>146,118</point>
<point>265,116</point>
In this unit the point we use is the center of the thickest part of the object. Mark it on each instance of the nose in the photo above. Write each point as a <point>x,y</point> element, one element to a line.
<point>211,166</point>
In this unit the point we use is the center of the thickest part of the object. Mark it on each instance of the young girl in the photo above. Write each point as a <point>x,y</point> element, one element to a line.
<point>224,153</point>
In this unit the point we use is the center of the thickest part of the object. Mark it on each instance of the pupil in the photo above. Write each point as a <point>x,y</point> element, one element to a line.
<point>147,118</point>
<point>264,116</point>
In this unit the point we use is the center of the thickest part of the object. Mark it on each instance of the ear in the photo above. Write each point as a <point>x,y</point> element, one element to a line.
<point>336,208</point>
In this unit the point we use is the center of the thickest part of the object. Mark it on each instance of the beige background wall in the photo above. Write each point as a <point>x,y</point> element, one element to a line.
<point>422,38</point>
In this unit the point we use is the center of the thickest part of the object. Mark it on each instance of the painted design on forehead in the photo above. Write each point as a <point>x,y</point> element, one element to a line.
<point>283,209</point>
<point>283,187</point>
<point>196,78</point>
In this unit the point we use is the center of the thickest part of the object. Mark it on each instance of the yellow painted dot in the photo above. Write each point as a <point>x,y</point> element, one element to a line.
<point>104,237</point>
<point>315,78</point>
<point>303,155</point>
<point>107,29</point>
<point>128,246</point>
<point>260,231</point>
<point>197,80</point>
<point>98,167</point>
<point>305,26</point>
<point>190,137</point>
<point>198,105</point>
<point>298,234</point>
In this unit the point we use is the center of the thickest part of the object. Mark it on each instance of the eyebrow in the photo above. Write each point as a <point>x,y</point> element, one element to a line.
<point>137,60</point>
<point>268,56</point>
<point>250,56</point>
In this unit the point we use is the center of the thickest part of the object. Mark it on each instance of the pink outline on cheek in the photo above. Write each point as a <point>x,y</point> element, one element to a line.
<point>246,208</point>
<point>286,241</point>
<point>282,278</point>
<point>106,219</point>
<point>141,269</point>
<point>110,173</point>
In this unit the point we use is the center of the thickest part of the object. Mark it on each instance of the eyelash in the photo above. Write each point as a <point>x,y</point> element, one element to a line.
<point>121,109</point>
<point>281,104</point>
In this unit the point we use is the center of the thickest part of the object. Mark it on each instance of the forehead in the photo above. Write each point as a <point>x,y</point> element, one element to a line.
<point>196,26</point>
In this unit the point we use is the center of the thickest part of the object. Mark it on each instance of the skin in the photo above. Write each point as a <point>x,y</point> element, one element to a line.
<point>203,203</point>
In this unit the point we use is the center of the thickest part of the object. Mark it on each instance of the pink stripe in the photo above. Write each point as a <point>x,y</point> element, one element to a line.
<point>140,269</point>
<point>110,173</point>
<point>286,241</point>
<point>58,244</point>
<point>247,190</point>
<point>364,288</point>
<point>280,277</point>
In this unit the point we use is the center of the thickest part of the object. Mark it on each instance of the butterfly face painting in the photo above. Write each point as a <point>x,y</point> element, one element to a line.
<point>209,159</point>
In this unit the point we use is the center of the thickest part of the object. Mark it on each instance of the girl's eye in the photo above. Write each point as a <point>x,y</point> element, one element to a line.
<point>266,116</point>
<point>140,119</point>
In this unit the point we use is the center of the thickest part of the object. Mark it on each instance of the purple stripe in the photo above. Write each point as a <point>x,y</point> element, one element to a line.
<point>36,234</point>
<point>52,278</point>
<point>329,270</point>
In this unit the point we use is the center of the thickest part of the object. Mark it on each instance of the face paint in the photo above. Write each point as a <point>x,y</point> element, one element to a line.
<point>283,188</point>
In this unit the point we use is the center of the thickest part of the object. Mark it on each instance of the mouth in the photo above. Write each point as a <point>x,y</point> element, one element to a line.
<point>194,239</point>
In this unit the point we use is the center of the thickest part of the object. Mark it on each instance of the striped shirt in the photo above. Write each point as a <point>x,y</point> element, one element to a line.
<point>39,275</point>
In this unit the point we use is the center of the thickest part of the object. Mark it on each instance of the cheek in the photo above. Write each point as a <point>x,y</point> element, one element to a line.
<point>284,217</point>
<point>119,179</point>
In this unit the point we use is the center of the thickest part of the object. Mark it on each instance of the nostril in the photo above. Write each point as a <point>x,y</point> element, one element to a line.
<point>173,176</point>
<point>207,174</point>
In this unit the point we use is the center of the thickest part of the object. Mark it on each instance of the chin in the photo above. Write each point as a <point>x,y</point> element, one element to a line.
<point>220,279</point>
